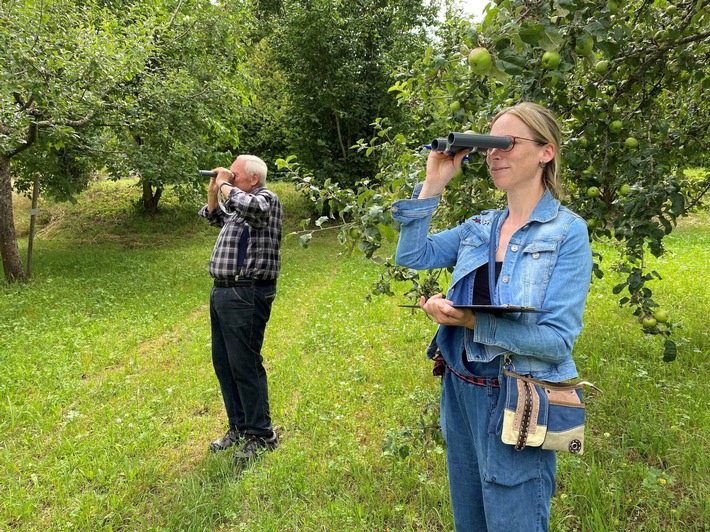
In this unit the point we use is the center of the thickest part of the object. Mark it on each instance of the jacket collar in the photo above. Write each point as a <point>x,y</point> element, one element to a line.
<point>545,210</point>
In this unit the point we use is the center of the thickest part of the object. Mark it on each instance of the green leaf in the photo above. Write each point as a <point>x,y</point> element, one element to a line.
<point>304,240</point>
<point>388,232</point>
<point>618,288</point>
<point>677,204</point>
<point>551,40</point>
<point>508,68</point>
<point>511,56</point>
<point>670,352</point>
<point>532,34</point>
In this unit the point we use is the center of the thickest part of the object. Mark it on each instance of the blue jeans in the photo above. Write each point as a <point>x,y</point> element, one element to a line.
<point>493,487</point>
<point>238,317</point>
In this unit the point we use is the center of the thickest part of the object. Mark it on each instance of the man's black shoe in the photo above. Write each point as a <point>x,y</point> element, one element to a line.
<point>230,439</point>
<point>255,446</point>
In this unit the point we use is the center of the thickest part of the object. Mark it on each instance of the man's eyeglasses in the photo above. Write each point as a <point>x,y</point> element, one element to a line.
<point>513,142</point>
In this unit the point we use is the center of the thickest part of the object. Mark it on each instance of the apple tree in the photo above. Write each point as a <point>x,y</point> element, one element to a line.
<point>60,61</point>
<point>142,89</point>
<point>180,112</point>
<point>628,82</point>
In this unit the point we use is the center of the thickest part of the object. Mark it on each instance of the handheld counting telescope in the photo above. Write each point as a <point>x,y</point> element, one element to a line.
<point>456,142</point>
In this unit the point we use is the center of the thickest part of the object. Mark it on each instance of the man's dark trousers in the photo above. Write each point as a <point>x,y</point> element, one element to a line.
<point>238,317</point>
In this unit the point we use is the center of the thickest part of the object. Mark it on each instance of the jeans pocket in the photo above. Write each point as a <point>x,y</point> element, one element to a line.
<point>507,467</point>
<point>504,465</point>
<point>243,296</point>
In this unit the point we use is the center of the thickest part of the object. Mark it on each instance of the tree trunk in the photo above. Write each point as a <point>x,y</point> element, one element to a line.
<point>150,200</point>
<point>340,138</point>
<point>11,261</point>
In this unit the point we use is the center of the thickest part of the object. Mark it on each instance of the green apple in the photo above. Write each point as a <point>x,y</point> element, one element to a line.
<point>593,192</point>
<point>624,190</point>
<point>592,223</point>
<point>613,7</point>
<point>648,322</point>
<point>479,60</point>
<point>583,142</point>
<point>550,60</point>
<point>616,126</point>
<point>601,67</point>
<point>661,315</point>
<point>584,45</point>
<point>455,106</point>
<point>631,143</point>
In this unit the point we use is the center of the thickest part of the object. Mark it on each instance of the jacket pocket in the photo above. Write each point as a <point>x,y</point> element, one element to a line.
<point>537,261</point>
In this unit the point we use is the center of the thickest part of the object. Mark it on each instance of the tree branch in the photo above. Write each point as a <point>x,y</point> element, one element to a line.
<point>175,13</point>
<point>697,199</point>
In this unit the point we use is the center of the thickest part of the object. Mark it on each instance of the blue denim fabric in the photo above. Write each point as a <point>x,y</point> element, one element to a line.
<point>238,319</point>
<point>493,487</point>
<point>547,265</point>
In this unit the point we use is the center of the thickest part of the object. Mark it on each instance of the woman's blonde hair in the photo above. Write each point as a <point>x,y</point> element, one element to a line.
<point>546,129</point>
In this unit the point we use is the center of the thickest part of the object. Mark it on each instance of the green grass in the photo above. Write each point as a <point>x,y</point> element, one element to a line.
<point>109,399</point>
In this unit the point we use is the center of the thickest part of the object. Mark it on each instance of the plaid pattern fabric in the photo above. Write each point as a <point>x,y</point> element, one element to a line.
<point>261,210</point>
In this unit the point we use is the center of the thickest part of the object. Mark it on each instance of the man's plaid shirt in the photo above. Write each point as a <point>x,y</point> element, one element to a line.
<point>261,210</point>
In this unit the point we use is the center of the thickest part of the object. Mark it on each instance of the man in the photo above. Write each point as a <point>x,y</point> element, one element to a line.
<point>245,264</point>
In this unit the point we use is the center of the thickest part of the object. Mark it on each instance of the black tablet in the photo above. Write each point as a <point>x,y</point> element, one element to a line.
<point>493,309</point>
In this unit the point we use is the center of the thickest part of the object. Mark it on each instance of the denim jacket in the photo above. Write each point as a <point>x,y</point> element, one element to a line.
<point>547,265</point>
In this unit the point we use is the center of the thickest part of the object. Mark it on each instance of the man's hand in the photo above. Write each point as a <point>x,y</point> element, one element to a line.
<point>444,313</point>
<point>223,176</point>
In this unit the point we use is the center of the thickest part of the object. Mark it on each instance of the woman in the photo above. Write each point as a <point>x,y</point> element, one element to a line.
<point>543,260</point>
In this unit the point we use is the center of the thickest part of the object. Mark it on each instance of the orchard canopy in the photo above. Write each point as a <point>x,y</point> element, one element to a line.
<point>629,83</point>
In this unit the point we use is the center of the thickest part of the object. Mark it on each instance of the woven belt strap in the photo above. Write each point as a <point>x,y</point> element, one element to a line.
<point>526,418</point>
<point>439,370</point>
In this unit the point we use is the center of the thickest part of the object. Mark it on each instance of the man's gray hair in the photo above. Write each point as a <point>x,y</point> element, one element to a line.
<point>255,165</point>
